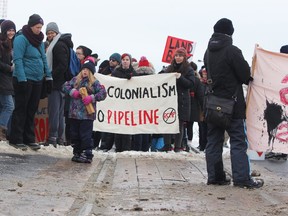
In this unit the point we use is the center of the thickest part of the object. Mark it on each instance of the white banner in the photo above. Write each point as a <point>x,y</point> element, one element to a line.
<point>267,110</point>
<point>143,104</point>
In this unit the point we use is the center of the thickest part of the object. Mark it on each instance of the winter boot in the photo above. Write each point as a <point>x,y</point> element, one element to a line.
<point>3,131</point>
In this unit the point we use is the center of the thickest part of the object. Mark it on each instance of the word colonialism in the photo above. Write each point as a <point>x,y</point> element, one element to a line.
<point>162,91</point>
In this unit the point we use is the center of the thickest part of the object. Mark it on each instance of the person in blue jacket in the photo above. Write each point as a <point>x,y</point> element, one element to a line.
<point>30,69</point>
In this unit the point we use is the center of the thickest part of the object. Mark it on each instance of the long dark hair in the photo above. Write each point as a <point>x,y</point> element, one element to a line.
<point>5,43</point>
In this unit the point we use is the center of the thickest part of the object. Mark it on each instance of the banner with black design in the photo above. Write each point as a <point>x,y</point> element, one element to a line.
<point>144,104</point>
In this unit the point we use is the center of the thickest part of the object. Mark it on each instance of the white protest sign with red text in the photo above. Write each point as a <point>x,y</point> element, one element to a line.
<point>144,104</point>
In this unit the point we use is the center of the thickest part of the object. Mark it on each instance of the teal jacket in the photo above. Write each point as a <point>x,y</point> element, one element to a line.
<point>30,62</point>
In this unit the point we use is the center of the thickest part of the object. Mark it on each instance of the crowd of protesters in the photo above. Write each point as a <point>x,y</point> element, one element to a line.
<point>28,65</point>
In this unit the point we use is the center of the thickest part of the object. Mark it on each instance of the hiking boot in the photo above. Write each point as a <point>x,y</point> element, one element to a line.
<point>51,141</point>
<point>21,146</point>
<point>166,148</point>
<point>226,181</point>
<point>84,157</point>
<point>60,141</point>
<point>75,157</point>
<point>250,184</point>
<point>33,146</point>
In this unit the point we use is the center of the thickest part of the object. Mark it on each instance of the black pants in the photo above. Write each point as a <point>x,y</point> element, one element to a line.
<point>81,135</point>
<point>27,97</point>
<point>122,142</point>
<point>238,149</point>
<point>141,142</point>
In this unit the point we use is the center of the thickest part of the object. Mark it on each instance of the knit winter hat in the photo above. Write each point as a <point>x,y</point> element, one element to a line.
<point>86,50</point>
<point>284,49</point>
<point>52,26</point>
<point>224,26</point>
<point>34,20</point>
<point>181,51</point>
<point>90,65</point>
<point>143,62</point>
<point>6,25</point>
<point>116,57</point>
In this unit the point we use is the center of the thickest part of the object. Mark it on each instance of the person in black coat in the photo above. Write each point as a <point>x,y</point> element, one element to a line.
<point>124,71</point>
<point>185,81</point>
<point>8,30</point>
<point>228,71</point>
<point>58,58</point>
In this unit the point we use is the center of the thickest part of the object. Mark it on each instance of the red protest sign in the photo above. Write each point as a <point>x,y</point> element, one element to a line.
<point>172,44</point>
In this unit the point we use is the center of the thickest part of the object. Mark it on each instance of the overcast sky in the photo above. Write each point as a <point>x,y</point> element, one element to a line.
<point>141,27</point>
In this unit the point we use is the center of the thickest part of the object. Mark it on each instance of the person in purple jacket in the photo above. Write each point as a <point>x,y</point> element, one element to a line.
<point>81,122</point>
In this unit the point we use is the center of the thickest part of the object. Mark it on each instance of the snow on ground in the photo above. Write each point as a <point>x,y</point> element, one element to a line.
<point>66,151</point>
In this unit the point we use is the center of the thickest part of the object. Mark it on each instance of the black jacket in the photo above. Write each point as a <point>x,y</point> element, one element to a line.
<point>197,96</point>
<point>183,84</point>
<point>123,73</point>
<point>61,59</point>
<point>6,86</point>
<point>228,70</point>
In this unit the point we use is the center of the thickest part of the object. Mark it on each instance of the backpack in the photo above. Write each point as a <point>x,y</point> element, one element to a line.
<point>74,65</point>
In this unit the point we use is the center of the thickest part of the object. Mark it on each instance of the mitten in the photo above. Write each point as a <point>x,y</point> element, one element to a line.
<point>178,75</point>
<point>75,94</point>
<point>87,100</point>
<point>128,76</point>
<point>49,84</point>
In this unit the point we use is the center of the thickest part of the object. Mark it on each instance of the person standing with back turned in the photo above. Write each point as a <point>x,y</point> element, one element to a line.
<point>228,71</point>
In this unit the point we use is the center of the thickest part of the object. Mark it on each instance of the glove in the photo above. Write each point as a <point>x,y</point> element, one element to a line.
<point>128,76</point>
<point>76,94</point>
<point>178,75</point>
<point>49,84</point>
<point>250,79</point>
<point>87,100</point>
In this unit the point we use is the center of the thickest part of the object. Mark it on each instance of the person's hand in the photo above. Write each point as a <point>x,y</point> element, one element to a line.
<point>87,100</point>
<point>49,85</point>
<point>12,67</point>
<point>75,94</point>
<point>128,76</point>
<point>178,75</point>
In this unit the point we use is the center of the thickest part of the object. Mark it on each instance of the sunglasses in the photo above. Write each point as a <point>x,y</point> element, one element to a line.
<point>113,60</point>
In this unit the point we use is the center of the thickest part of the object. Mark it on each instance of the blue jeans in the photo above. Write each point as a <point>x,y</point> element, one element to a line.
<point>6,109</point>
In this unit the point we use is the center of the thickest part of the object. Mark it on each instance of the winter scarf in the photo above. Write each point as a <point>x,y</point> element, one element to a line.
<point>49,53</point>
<point>34,39</point>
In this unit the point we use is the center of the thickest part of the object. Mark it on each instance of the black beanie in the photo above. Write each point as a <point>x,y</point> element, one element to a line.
<point>34,20</point>
<point>6,25</point>
<point>284,49</point>
<point>86,50</point>
<point>224,26</point>
<point>90,65</point>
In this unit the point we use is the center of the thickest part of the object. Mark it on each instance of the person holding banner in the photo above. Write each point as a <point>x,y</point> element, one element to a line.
<point>228,71</point>
<point>81,122</point>
<point>141,142</point>
<point>185,81</point>
<point>126,71</point>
